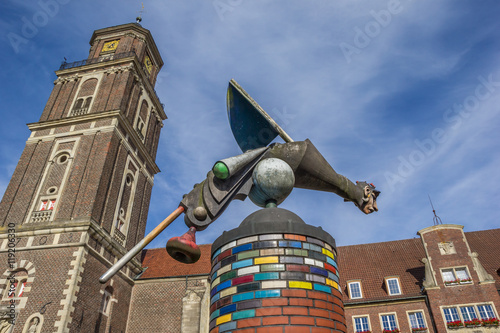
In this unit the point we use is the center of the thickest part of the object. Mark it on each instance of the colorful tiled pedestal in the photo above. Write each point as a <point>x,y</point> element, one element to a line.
<point>275,273</point>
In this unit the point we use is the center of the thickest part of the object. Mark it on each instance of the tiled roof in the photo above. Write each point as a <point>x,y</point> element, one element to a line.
<point>370,263</point>
<point>161,265</point>
<point>487,244</point>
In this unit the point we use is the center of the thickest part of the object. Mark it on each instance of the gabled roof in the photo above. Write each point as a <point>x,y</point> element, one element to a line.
<point>372,263</point>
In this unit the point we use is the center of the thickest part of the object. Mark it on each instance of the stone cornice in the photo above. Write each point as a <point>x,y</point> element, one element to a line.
<point>81,225</point>
<point>115,114</point>
<point>75,72</point>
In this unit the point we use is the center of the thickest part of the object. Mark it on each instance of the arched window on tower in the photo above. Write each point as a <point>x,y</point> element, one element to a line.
<point>84,99</point>
<point>140,123</point>
<point>124,209</point>
<point>16,285</point>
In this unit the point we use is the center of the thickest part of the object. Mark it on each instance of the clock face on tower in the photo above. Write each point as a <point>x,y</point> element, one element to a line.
<point>148,64</point>
<point>110,46</point>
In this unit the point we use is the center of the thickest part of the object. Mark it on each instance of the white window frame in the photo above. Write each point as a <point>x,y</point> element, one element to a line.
<point>392,278</point>
<point>458,309</point>
<point>367,322</point>
<point>349,284</point>
<point>381,315</point>
<point>456,280</point>
<point>409,313</point>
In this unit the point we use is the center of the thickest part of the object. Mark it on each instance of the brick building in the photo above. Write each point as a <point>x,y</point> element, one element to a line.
<point>79,198</point>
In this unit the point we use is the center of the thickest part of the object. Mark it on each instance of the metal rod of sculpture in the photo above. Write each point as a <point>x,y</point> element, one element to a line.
<point>238,177</point>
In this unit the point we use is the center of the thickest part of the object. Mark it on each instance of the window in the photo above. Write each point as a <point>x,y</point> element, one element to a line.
<point>416,320</point>
<point>468,315</point>
<point>47,204</point>
<point>458,275</point>
<point>393,286</point>
<point>468,312</point>
<point>486,311</point>
<point>389,322</point>
<point>451,314</point>
<point>15,286</point>
<point>355,290</point>
<point>106,301</point>
<point>361,324</point>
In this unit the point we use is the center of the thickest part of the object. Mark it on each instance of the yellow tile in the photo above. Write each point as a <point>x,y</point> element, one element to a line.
<point>223,319</point>
<point>328,253</point>
<point>299,284</point>
<point>332,283</point>
<point>266,260</point>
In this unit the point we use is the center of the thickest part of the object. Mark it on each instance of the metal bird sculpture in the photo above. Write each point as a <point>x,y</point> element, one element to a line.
<point>295,163</point>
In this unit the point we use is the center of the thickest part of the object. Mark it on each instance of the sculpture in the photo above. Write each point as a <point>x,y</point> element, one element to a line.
<point>291,164</point>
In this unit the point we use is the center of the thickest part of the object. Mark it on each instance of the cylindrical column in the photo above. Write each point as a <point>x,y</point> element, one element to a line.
<point>275,273</point>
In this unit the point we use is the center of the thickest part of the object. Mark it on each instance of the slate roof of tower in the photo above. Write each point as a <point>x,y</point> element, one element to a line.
<point>370,263</point>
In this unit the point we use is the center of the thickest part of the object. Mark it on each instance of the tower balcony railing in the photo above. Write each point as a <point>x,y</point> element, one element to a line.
<point>41,216</point>
<point>79,112</point>
<point>105,58</point>
<point>108,57</point>
<point>119,236</point>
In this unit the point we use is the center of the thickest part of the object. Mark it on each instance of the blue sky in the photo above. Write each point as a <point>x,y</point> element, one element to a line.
<point>404,94</point>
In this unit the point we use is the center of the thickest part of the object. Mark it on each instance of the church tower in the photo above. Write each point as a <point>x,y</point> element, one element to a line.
<point>79,197</point>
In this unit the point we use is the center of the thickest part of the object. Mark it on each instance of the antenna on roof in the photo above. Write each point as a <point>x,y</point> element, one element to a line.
<point>138,19</point>
<point>436,219</point>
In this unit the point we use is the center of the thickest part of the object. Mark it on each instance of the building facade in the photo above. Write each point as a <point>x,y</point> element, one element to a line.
<point>79,198</point>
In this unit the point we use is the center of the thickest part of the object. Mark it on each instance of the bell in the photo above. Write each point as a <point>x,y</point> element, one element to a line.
<point>184,248</point>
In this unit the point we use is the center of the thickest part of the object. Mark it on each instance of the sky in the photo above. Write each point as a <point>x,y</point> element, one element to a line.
<point>403,94</point>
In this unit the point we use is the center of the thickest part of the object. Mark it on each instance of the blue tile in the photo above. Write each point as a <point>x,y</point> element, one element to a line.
<point>216,267</point>
<point>244,314</point>
<point>227,326</point>
<point>213,276</point>
<point>214,314</point>
<point>227,309</point>
<point>290,244</point>
<point>214,299</point>
<point>333,277</point>
<point>266,276</point>
<point>223,285</point>
<point>242,297</point>
<point>267,293</point>
<point>242,263</point>
<point>331,262</point>
<point>323,288</point>
<point>319,271</point>
<point>216,253</point>
<point>244,247</point>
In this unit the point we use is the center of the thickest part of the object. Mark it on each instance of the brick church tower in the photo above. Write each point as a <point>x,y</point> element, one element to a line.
<point>79,197</point>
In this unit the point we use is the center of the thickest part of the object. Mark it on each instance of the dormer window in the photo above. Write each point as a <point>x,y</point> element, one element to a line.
<point>455,276</point>
<point>393,287</point>
<point>355,290</point>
